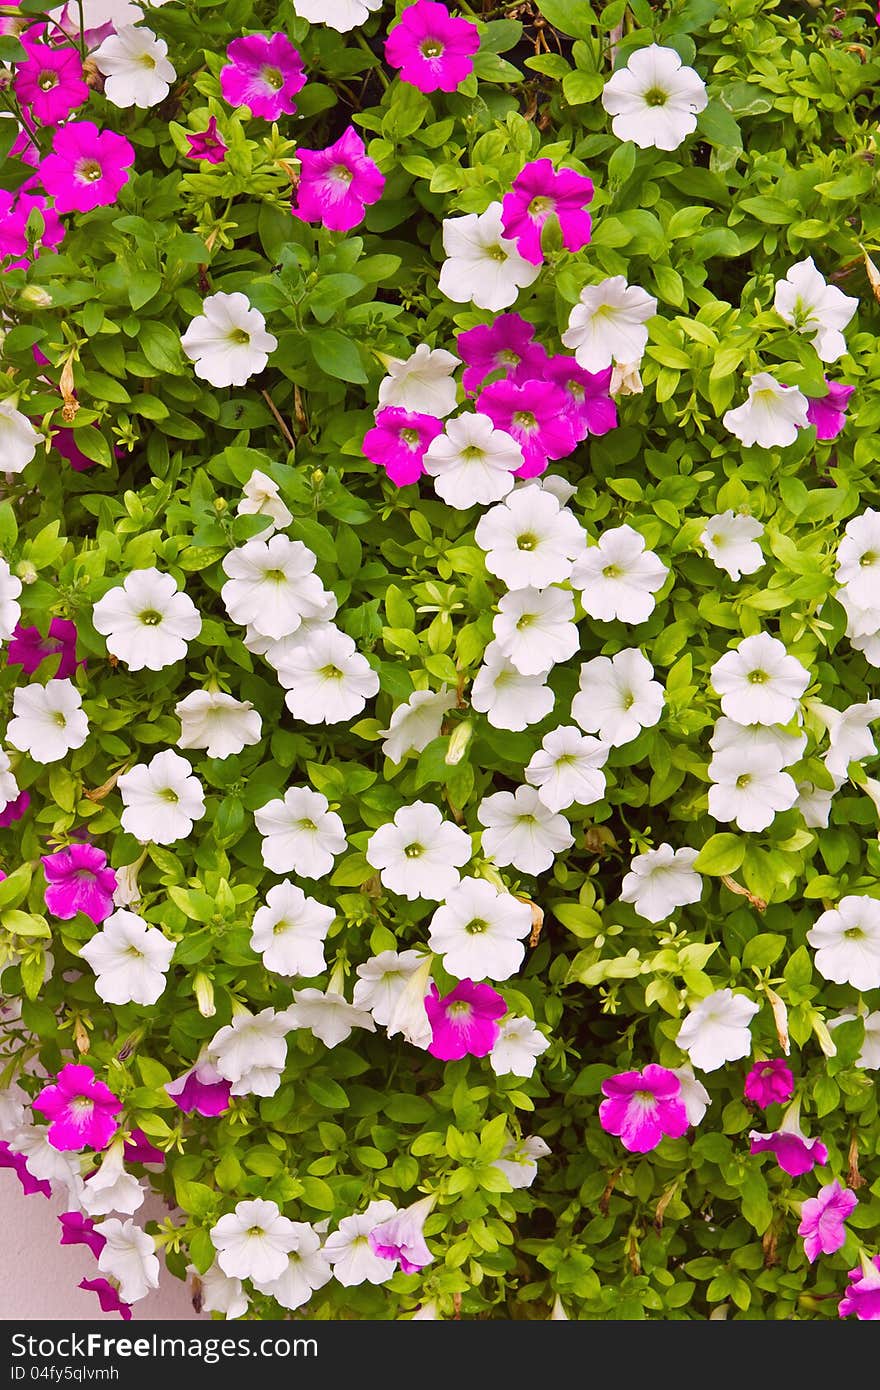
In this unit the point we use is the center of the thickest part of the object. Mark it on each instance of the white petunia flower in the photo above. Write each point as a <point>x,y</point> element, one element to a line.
<point>277,652</point>
<point>146,620</point>
<point>655,99</point>
<point>660,880</point>
<point>10,611</point>
<point>422,382</point>
<point>482,266</point>
<point>219,1293</point>
<point>110,1187</point>
<point>327,679</point>
<point>858,567</point>
<point>551,483</point>
<point>530,540</point>
<point>46,1163</point>
<point>479,931</point>
<point>129,958</point>
<point>261,497</point>
<point>253,1242</point>
<point>417,722</point>
<point>308,1268</point>
<point>520,830</point>
<point>518,1046</point>
<point>618,697</point>
<point>717,1030</point>
<point>218,723</point>
<point>472,463</point>
<point>381,980</point>
<point>18,439</point>
<point>341,15</point>
<point>518,1160</point>
<point>419,854</point>
<point>162,798</point>
<point>808,303</point>
<point>129,1257</point>
<point>731,542</point>
<point>348,1248</point>
<point>327,1014</point>
<point>272,586</point>
<point>509,699</point>
<point>814,804</point>
<point>778,747</point>
<point>228,342</point>
<point>535,628</point>
<point>748,788</point>
<point>48,722</point>
<point>567,769</point>
<point>771,415</point>
<point>135,67</point>
<point>618,577</point>
<point>251,1052</point>
<point>851,740</point>
<point>693,1095</point>
<point>759,683</point>
<point>847,942</point>
<point>300,833</point>
<point>9,789</point>
<point>290,931</point>
<point>607,325</point>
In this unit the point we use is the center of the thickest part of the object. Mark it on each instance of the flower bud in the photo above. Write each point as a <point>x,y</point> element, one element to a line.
<point>458,743</point>
<point>26,571</point>
<point>34,297</point>
<point>220,504</point>
<point>203,989</point>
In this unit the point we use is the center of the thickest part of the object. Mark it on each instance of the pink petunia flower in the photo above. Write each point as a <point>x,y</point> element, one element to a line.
<point>78,880</point>
<point>642,1107</point>
<point>15,810</point>
<point>464,1022</point>
<point>264,74</point>
<point>81,1109</point>
<point>398,442</point>
<point>77,1229</point>
<point>201,1091</point>
<point>336,184</point>
<point>207,144</point>
<point>822,1219</point>
<point>538,193</point>
<point>769,1083</point>
<point>15,210</point>
<point>108,1297</point>
<point>138,1149</point>
<point>18,1164</point>
<point>29,649</point>
<point>590,407</point>
<point>401,1237</point>
<point>536,415</point>
<point>87,167</point>
<point>863,1295</point>
<point>503,346</point>
<point>50,81</point>
<point>828,413</point>
<point>432,50</point>
<point>795,1153</point>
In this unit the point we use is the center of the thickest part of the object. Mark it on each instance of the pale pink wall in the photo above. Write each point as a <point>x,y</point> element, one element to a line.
<point>39,1277</point>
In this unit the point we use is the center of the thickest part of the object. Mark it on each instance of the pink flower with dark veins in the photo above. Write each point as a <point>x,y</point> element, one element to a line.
<point>337,184</point>
<point>79,880</point>
<point>432,50</point>
<point>464,1022</point>
<point>82,1111</point>
<point>264,73</point>
<point>539,192</point>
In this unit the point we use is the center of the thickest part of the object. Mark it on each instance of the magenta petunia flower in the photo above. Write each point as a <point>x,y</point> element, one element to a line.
<point>537,417</point>
<point>506,345</point>
<point>18,1164</point>
<point>539,193</point>
<point>79,880</point>
<point>641,1107</point>
<point>108,1297</point>
<point>401,1237</point>
<point>590,407</point>
<point>50,81</point>
<point>15,209</point>
<point>207,144</point>
<point>81,1109</point>
<point>432,50</point>
<point>15,810</point>
<point>336,184</point>
<point>823,1217</point>
<point>828,413</point>
<point>138,1149</point>
<point>29,649</point>
<point>863,1295</point>
<point>201,1091</point>
<point>87,167</point>
<point>795,1153</point>
<point>398,442</point>
<point>769,1083</point>
<point>463,1023</point>
<point>77,1229</point>
<point>264,74</point>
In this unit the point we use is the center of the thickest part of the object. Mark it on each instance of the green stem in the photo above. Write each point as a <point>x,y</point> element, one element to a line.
<point>82,29</point>
<point>362,43</point>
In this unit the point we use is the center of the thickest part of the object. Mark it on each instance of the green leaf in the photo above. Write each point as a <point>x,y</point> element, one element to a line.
<point>722,854</point>
<point>763,950</point>
<point>570,17</point>
<point>318,1194</point>
<point>336,355</point>
<point>160,345</point>
<point>327,1092</point>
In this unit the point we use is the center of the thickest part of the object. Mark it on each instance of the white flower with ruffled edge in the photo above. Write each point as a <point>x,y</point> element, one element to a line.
<point>482,266</point>
<point>717,1030</point>
<point>806,301</point>
<point>146,620</point>
<point>341,15</point>
<point>300,833</point>
<point>509,699</point>
<point>418,854</point>
<point>654,100</point>
<point>10,611</point>
<point>110,1187</point>
<point>129,1257</point>
<point>261,497</point>
<point>607,324</point>
<point>567,769</point>
<point>759,683</point>
<point>308,1269</point>
<point>846,940</point>
<point>18,438</point>
<point>326,678</point>
<point>129,958</point>
<point>471,462</point>
<point>530,540</point>
<point>518,1160</point>
<point>518,829</point>
<point>348,1248</point>
<point>9,789</point>
<point>46,1163</point>
<point>254,1241</point>
<point>327,1014</point>
<point>770,416</point>
<point>858,566</point>
<point>618,577</point>
<point>422,382</point>
<point>693,1095</point>
<point>517,1048</point>
<point>162,799</point>
<point>135,67</point>
<point>219,1293</point>
<point>618,697</point>
<point>48,720</point>
<point>251,1051</point>
<point>660,880</point>
<point>417,722</point>
<point>730,539</point>
<point>480,931</point>
<point>272,586</point>
<point>228,342</point>
<point>850,737</point>
<point>218,723</point>
<point>535,629</point>
<point>779,747</point>
<point>381,980</point>
<point>748,789</point>
<point>290,930</point>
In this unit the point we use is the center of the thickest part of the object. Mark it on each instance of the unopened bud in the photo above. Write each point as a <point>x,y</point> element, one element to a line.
<point>204,992</point>
<point>823,1037</point>
<point>625,380</point>
<point>34,297</point>
<point>26,571</point>
<point>458,743</point>
<point>317,477</point>
<point>220,504</point>
<point>80,1036</point>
